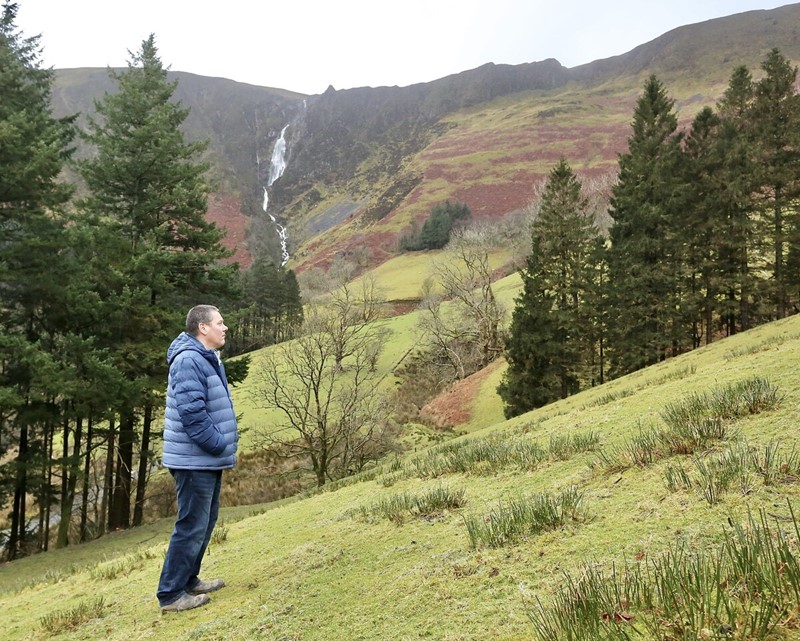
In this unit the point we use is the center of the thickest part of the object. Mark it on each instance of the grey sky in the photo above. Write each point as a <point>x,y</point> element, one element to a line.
<point>306,45</point>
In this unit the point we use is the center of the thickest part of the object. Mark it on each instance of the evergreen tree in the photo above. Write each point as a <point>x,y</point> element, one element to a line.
<point>274,308</point>
<point>733,189</point>
<point>436,229</point>
<point>147,190</point>
<point>775,119</point>
<point>550,350</point>
<point>644,258</point>
<point>33,146</point>
<point>703,225</point>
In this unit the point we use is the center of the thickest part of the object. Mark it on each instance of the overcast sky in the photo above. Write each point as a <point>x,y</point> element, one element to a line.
<point>306,45</point>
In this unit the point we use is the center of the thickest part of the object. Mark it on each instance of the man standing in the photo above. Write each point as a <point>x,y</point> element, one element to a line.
<point>200,440</point>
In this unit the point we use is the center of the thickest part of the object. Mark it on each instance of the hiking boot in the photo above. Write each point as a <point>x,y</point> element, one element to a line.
<point>186,602</point>
<point>203,587</point>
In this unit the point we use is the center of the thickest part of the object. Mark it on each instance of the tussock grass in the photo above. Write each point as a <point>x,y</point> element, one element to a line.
<point>737,468</point>
<point>398,507</point>
<point>742,590</point>
<point>693,424</point>
<point>774,465</point>
<point>490,455</point>
<point>110,570</point>
<point>766,344</point>
<point>610,397</point>
<point>522,516</point>
<point>72,618</point>
<point>675,373</point>
<point>220,533</point>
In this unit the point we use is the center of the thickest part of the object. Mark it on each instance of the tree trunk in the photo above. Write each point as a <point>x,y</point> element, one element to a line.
<point>62,536</point>
<point>87,467</point>
<point>780,294</point>
<point>120,514</point>
<point>144,462</point>
<point>108,483</point>
<point>17,534</point>
<point>44,510</point>
<point>70,471</point>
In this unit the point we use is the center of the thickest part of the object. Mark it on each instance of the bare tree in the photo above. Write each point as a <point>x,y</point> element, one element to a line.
<point>324,385</point>
<point>464,335</point>
<point>466,278</point>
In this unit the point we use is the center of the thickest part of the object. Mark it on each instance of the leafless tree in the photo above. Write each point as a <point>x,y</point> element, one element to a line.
<point>324,385</point>
<point>467,335</point>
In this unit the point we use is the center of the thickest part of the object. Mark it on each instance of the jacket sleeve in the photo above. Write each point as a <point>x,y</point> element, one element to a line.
<point>191,391</point>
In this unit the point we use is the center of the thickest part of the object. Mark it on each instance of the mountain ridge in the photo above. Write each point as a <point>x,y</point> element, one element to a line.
<point>380,155</point>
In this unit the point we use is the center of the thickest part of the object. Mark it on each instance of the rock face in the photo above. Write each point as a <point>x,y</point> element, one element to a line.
<point>369,163</point>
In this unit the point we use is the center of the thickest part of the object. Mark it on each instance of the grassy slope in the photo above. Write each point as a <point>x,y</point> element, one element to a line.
<point>399,280</point>
<point>306,570</point>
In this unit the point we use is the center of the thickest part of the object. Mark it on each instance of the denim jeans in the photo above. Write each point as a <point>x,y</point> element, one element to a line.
<point>198,508</point>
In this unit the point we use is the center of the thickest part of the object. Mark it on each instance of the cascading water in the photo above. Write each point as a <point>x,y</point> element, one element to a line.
<point>277,166</point>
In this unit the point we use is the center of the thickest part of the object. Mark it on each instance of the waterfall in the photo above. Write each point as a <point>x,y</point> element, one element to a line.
<point>277,166</point>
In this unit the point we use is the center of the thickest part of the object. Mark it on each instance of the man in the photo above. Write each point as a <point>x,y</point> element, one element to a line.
<point>200,440</point>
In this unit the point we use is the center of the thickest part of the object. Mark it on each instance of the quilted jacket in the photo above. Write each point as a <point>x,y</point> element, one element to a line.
<point>200,431</point>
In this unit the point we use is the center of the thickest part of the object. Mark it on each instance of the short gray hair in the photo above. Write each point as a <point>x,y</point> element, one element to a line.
<point>198,314</point>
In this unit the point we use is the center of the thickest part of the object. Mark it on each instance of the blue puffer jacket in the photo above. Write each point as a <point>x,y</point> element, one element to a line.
<point>200,431</point>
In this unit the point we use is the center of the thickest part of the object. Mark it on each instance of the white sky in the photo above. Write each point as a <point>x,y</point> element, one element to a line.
<point>306,45</point>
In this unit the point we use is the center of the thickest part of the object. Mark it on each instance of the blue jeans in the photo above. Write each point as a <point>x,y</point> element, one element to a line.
<point>198,508</point>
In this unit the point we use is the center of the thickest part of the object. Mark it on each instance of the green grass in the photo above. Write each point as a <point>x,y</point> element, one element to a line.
<point>299,570</point>
<point>402,277</point>
<point>403,336</point>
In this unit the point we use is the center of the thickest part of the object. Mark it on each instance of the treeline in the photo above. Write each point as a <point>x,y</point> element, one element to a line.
<point>93,289</point>
<point>705,242</point>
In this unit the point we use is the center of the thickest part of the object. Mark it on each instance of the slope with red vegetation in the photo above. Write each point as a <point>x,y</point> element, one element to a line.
<point>226,212</point>
<point>453,407</point>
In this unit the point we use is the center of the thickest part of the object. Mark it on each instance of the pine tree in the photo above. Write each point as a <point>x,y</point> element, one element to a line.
<point>734,192</point>
<point>147,189</point>
<point>644,258</point>
<point>550,351</point>
<point>703,224</point>
<point>274,309</point>
<point>33,146</point>
<point>775,120</point>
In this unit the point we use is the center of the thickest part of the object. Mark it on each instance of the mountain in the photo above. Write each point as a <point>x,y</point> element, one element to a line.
<point>364,165</point>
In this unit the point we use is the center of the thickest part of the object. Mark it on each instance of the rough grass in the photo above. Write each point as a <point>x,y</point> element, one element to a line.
<point>300,571</point>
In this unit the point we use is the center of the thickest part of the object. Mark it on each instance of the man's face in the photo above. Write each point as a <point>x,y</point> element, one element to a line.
<point>212,334</point>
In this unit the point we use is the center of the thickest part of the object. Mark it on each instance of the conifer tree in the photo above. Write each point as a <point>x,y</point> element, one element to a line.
<point>147,190</point>
<point>703,225</point>
<point>775,120</point>
<point>734,188</point>
<point>550,350</point>
<point>33,146</point>
<point>644,258</point>
<point>274,308</point>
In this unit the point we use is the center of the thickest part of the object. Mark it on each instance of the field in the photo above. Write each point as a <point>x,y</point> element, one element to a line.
<point>377,558</point>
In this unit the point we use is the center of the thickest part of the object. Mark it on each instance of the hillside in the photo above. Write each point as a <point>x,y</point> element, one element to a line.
<point>661,505</point>
<point>489,152</point>
<point>364,164</point>
<point>355,562</point>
